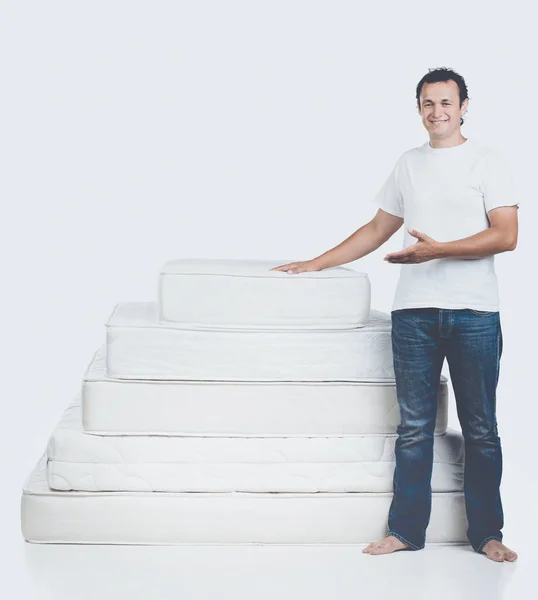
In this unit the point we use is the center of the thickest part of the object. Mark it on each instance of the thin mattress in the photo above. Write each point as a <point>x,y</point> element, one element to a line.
<point>141,347</point>
<point>78,461</point>
<point>239,408</point>
<point>214,293</point>
<point>49,516</point>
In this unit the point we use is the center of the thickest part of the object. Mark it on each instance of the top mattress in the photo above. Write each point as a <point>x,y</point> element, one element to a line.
<point>233,293</point>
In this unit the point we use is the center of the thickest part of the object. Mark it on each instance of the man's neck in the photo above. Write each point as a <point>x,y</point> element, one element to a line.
<point>450,142</point>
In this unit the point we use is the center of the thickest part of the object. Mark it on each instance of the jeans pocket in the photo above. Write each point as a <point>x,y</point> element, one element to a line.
<point>483,313</point>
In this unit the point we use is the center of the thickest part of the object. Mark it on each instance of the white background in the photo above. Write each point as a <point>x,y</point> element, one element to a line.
<point>137,132</point>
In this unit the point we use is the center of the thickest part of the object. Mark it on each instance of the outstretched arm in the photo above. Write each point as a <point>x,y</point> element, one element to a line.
<point>360,243</point>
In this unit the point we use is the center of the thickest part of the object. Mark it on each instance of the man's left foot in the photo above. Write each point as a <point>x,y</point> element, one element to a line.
<point>498,552</point>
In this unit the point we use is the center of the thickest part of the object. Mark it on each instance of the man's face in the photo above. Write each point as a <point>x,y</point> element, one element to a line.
<point>440,108</point>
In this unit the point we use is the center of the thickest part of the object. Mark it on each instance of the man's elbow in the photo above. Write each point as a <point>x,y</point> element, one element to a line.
<point>511,243</point>
<point>506,238</point>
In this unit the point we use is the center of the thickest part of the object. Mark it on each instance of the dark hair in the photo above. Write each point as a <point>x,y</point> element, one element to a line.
<point>444,74</point>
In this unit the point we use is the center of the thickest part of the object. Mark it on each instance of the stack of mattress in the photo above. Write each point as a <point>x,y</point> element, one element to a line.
<point>244,406</point>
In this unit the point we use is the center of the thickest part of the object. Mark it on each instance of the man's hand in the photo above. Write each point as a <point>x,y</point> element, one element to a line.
<point>298,267</point>
<point>423,250</point>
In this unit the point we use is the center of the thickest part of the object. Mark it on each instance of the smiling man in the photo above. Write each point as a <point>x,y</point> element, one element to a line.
<point>456,199</point>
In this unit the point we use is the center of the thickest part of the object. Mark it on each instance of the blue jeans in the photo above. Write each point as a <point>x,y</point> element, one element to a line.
<point>471,341</point>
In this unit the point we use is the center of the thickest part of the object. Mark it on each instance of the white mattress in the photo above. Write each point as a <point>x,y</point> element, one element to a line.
<point>49,516</point>
<point>240,408</point>
<point>79,461</point>
<point>214,293</point>
<point>141,347</point>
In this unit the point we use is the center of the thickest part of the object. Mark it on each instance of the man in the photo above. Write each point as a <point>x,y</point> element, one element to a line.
<point>456,199</point>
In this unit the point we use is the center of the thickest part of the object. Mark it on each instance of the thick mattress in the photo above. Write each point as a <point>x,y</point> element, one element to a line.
<point>213,293</point>
<point>79,461</point>
<point>238,408</point>
<point>220,518</point>
<point>141,347</point>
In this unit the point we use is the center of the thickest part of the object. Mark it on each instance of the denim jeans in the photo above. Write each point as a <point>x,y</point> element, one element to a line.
<point>471,341</point>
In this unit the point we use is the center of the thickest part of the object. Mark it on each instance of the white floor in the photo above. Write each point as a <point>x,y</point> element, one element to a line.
<point>81,572</point>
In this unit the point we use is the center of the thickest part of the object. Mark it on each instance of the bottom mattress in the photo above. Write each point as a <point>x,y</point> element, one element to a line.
<point>220,518</point>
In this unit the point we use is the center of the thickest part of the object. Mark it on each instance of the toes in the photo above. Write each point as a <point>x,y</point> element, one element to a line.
<point>500,553</point>
<point>381,547</point>
<point>372,548</point>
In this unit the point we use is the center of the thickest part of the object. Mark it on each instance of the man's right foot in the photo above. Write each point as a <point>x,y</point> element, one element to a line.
<point>385,546</point>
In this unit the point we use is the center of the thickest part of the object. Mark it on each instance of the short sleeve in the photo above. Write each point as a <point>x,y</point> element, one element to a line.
<point>498,184</point>
<point>389,197</point>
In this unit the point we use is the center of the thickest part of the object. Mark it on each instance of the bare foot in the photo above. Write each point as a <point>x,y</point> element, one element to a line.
<point>385,546</point>
<point>498,552</point>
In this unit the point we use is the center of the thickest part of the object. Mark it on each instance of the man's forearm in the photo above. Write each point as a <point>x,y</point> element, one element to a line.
<point>360,243</point>
<point>485,243</point>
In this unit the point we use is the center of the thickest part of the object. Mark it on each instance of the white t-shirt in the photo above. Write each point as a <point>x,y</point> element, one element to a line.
<point>446,193</point>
